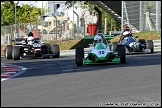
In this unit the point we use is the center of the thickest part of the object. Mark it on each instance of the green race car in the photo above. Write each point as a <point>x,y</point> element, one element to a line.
<point>100,52</point>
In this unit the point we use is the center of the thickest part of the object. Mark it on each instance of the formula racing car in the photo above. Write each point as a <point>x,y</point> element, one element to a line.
<point>133,46</point>
<point>100,52</point>
<point>20,49</point>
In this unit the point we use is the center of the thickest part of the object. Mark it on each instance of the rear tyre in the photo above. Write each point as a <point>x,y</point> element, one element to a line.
<point>55,50</point>
<point>122,54</point>
<point>79,56</point>
<point>150,45</point>
<point>8,51</point>
<point>16,53</point>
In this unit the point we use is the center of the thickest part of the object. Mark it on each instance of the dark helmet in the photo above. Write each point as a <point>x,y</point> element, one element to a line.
<point>100,33</point>
<point>30,34</point>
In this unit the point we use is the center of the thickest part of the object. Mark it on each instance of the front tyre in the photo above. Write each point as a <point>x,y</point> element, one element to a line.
<point>150,45</point>
<point>79,56</point>
<point>55,50</point>
<point>8,51</point>
<point>122,54</point>
<point>16,53</point>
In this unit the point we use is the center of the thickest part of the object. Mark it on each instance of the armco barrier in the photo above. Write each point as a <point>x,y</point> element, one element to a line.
<point>157,45</point>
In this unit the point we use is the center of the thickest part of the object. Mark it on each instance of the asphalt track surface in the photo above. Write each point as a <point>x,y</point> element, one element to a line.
<point>59,82</point>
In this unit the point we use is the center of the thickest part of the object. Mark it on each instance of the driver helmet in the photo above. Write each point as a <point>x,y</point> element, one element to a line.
<point>126,33</point>
<point>126,28</point>
<point>30,40</point>
<point>97,39</point>
<point>30,34</point>
<point>100,33</point>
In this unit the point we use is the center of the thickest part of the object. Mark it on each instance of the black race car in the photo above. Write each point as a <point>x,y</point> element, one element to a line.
<point>22,50</point>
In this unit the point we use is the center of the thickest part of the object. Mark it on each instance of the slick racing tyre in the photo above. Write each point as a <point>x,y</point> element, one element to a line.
<point>55,50</point>
<point>150,45</point>
<point>16,53</point>
<point>79,56</point>
<point>122,54</point>
<point>8,51</point>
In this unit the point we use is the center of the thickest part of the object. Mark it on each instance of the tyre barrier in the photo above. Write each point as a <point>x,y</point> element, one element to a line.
<point>157,45</point>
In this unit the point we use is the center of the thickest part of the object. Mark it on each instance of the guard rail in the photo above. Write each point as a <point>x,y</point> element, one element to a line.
<point>157,45</point>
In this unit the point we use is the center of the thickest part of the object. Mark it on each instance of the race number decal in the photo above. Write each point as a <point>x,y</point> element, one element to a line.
<point>135,44</point>
<point>101,52</point>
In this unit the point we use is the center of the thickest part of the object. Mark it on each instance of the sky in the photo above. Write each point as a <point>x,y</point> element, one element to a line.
<point>34,3</point>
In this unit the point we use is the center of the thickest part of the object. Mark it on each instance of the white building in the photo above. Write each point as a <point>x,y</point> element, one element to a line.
<point>59,8</point>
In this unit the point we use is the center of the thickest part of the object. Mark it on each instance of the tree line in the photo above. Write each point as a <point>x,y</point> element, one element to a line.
<point>29,13</point>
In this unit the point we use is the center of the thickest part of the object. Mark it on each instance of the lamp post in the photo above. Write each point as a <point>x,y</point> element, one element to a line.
<point>15,2</point>
<point>42,19</point>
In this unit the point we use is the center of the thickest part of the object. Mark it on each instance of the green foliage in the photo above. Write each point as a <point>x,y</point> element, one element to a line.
<point>28,13</point>
<point>110,19</point>
<point>7,13</point>
<point>24,14</point>
<point>150,5</point>
<point>69,4</point>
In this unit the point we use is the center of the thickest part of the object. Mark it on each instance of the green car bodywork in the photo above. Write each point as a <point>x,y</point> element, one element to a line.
<point>100,53</point>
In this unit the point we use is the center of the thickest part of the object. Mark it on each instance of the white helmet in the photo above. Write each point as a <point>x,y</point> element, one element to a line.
<point>97,39</point>
<point>126,33</point>
<point>30,40</point>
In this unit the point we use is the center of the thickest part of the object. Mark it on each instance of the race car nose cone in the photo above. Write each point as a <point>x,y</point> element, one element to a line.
<point>100,46</point>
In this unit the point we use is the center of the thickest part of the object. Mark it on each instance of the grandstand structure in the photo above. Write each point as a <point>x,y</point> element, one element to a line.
<point>139,15</point>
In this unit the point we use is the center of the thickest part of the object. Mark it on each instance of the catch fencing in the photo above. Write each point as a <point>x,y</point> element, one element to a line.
<point>142,15</point>
<point>59,31</point>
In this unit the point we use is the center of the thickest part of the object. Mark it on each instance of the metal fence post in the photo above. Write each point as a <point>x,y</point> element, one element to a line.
<point>11,36</point>
<point>141,17</point>
<point>77,24</point>
<point>18,30</point>
<point>56,25</point>
<point>36,29</point>
<point>5,32</point>
<point>158,3</point>
<point>105,31</point>
<point>122,18</point>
